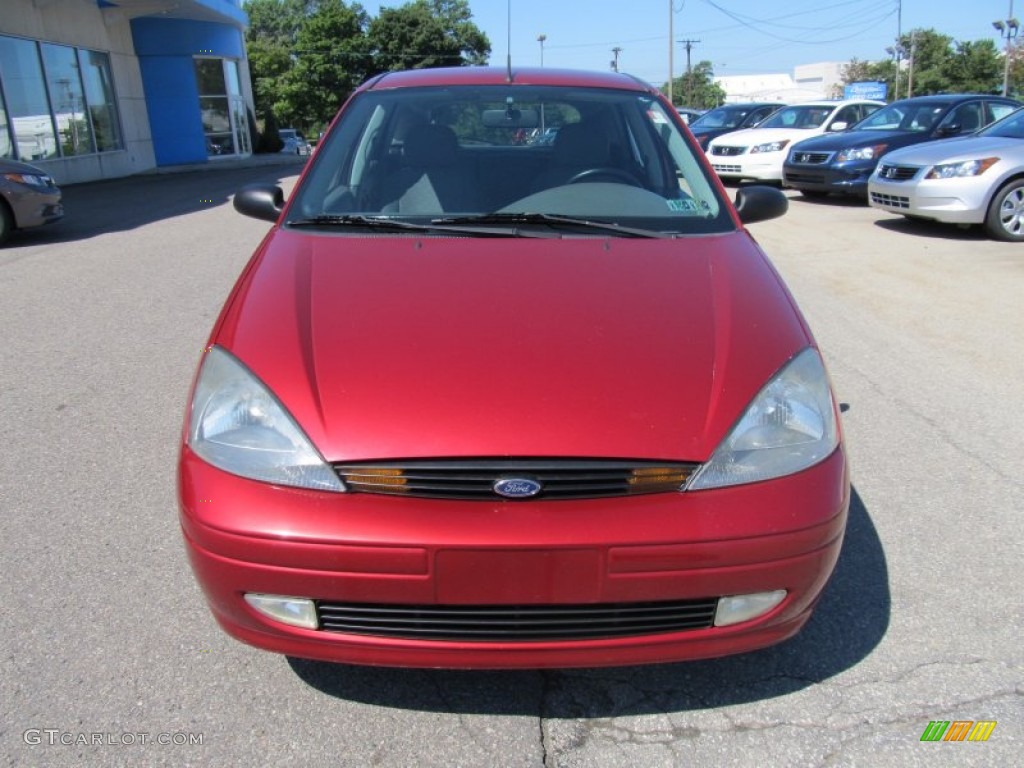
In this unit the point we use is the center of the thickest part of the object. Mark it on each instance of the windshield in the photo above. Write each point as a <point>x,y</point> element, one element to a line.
<point>1010,127</point>
<point>910,117</point>
<point>801,116</point>
<point>447,154</point>
<point>722,117</point>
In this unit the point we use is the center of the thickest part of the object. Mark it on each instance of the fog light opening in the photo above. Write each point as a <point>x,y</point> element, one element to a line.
<point>738,608</point>
<point>294,611</point>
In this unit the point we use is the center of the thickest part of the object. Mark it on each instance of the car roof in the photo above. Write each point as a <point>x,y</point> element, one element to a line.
<point>500,76</point>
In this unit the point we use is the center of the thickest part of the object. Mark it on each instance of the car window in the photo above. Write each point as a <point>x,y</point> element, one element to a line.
<point>757,115</point>
<point>798,116</point>
<point>427,152</point>
<point>1010,127</point>
<point>848,114</point>
<point>998,110</point>
<point>966,118</point>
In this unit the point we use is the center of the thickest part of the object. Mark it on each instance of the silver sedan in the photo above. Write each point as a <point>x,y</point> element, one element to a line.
<point>977,179</point>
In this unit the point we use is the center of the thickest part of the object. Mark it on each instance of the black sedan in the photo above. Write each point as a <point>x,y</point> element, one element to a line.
<point>728,118</point>
<point>843,162</point>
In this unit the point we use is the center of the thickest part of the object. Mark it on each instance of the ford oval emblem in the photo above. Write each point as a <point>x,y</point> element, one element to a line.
<point>517,487</point>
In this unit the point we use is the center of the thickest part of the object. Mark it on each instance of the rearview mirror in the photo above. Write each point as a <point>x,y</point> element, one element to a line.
<point>511,118</point>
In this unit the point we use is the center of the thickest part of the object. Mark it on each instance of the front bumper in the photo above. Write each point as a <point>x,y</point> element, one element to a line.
<point>243,536</point>
<point>845,179</point>
<point>951,201</point>
<point>763,166</point>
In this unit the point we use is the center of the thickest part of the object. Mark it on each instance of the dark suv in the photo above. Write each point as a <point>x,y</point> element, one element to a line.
<point>842,162</point>
<point>730,117</point>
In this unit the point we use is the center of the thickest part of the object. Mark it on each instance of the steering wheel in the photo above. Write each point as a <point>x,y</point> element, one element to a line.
<point>613,174</point>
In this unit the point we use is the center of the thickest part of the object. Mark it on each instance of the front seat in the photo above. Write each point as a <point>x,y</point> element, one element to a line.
<point>577,147</point>
<point>431,179</point>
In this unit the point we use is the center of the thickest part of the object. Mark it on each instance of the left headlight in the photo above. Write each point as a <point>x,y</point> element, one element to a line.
<point>29,179</point>
<point>860,153</point>
<point>239,426</point>
<point>771,146</point>
<point>789,426</point>
<point>961,169</point>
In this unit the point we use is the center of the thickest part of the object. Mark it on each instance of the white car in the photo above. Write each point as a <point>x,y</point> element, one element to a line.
<point>977,179</point>
<point>759,152</point>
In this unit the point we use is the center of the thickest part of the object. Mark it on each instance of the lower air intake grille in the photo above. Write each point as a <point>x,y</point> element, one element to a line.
<point>485,479</point>
<point>516,622</point>
<point>890,201</point>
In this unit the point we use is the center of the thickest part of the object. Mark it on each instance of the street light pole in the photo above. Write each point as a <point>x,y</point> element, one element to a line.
<point>541,39</point>
<point>1008,30</point>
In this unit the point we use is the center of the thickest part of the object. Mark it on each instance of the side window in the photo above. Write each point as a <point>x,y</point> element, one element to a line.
<point>998,110</point>
<point>967,118</point>
<point>848,114</point>
<point>869,109</point>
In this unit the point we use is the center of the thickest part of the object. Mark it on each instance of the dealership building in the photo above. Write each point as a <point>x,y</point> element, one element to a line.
<point>95,89</point>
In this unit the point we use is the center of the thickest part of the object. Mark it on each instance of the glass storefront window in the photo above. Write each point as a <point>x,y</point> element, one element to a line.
<point>99,93</point>
<point>60,101</point>
<point>27,105</point>
<point>67,98</point>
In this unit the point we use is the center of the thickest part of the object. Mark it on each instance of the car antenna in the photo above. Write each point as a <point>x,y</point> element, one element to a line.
<point>508,33</point>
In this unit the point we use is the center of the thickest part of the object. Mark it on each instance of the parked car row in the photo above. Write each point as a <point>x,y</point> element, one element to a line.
<point>969,173</point>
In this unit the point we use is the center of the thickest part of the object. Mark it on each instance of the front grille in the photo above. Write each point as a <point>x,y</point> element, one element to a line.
<point>810,158</point>
<point>805,178</point>
<point>890,201</point>
<point>476,479</point>
<point>727,168</point>
<point>483,623</point>
<point>897,172</point>
<point>727,151</point>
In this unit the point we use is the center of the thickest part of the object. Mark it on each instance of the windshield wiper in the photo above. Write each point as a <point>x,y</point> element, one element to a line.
<point>551,220</point>
<point>398,225</point>
<point>352,220</point>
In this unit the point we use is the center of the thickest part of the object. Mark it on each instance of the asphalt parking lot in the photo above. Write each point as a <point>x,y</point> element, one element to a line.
<point>110,657</point>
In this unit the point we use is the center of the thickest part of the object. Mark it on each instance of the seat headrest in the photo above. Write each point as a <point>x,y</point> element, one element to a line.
<point>431,145</point>
<point>581,144</point>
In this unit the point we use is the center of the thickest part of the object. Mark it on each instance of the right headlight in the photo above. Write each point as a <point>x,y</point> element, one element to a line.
<point>239,426</point>
<point>961,169</point>
<point>789,426</point>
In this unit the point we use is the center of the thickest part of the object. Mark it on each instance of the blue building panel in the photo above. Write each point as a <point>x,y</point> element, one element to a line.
<point>166,49</point>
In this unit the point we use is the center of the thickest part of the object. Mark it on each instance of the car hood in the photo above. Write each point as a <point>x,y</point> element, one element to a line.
<point>963,148</point>
<point>405,347</point>
<point>15,166</point>
<point>750,136</point>
<point>858,139</point>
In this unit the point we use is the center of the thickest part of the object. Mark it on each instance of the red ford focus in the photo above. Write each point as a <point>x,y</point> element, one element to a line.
<point>485,400</point>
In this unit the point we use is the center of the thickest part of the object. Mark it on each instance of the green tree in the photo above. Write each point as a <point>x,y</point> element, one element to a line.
<point>697,88</point>
<point>975,68</point>
<point>331,58</point>
<point>427,33</point>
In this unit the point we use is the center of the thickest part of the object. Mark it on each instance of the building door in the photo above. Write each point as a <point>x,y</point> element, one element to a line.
<point>225,119</point>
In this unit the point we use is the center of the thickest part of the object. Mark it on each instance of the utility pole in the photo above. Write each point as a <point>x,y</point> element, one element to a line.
<point>689,86</point>
<point>1007,31</point>
<point>671,48</point>
<point>615,62</point>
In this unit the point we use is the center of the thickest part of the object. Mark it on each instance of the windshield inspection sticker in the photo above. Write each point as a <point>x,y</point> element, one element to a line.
<point>680,206</point>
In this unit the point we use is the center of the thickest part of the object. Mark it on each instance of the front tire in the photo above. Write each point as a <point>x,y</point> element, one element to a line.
<point>6,222</point>
<point>1005,217</point>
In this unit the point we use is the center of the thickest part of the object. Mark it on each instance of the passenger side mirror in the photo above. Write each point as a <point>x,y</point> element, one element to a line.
<point>760,203</point>
<point>839,125</point>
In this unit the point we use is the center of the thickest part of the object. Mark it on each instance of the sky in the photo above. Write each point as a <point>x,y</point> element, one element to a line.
<point>738,37</point>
